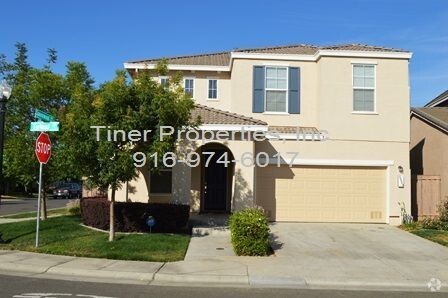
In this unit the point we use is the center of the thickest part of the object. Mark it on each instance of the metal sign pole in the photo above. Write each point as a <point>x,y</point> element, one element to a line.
<point>38,204</point>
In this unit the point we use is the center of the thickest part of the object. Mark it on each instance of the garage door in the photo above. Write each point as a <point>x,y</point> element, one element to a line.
<point>322,194</point>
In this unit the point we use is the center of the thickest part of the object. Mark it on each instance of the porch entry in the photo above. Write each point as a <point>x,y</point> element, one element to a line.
<point>216,179</point>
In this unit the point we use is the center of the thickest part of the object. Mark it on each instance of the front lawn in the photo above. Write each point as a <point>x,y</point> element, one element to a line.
<point>438,236</point>
<point>64,236</point>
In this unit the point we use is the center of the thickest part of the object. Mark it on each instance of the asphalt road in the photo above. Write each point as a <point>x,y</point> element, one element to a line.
<point>25,287</point>
<point>11,206</point>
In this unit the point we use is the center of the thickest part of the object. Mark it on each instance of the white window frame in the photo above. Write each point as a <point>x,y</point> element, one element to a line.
<point>162,193</point>
<point>276,89</point>
<point>364,63</point>
<point>217,88</point>
<point>194,84</point>
<point>163,78</point>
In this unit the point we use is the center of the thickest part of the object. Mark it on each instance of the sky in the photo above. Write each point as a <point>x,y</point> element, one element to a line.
<point>104,34</point>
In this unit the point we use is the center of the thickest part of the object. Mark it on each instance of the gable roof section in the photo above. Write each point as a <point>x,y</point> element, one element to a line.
<point>441,99</point>
<point>210,115</point>
<point>224,58</point>
<point>437,116</point>
<point>217,59</point>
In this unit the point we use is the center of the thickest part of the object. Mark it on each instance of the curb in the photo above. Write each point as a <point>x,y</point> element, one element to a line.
<point>122,275</point>
<point>202,279</point>
<point>23,268</point>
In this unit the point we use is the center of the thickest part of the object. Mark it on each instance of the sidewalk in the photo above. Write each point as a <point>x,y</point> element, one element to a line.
<point>222,271</point>
<point>205,265</point>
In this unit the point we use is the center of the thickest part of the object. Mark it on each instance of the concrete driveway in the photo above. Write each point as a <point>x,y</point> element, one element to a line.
<point>332,256</point>
<point>357,254</point>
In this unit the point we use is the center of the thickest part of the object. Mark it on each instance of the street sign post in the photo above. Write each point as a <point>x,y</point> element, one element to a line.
<point>43,154</point>
<point>42,116</point>
<point>44,126</point>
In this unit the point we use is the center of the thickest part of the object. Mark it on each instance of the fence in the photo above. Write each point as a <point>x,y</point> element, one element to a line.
<point>426,196</point>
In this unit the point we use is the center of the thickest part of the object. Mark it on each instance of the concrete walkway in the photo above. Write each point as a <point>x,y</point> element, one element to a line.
<point>333,256</point>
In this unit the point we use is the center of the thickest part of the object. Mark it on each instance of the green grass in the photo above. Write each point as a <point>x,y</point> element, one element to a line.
<point>65,236</point>
<point>438,236</point>
<point>50,212</point>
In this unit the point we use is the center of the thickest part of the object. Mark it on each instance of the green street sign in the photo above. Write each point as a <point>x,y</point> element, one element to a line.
<point>42,116</point>
<point>44,126</point>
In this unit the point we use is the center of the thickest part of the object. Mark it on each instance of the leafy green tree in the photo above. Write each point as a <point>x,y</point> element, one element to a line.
<point>36,88</point>
<point>126,105</point>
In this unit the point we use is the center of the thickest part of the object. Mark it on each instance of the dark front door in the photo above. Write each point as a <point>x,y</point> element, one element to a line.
<point>215,182</point>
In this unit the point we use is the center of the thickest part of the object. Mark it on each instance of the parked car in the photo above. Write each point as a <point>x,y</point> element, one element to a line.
<point>67,191</point>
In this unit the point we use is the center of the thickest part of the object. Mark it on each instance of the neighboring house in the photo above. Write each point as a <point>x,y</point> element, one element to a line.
<point>359,94</point>
<point>429,156</point>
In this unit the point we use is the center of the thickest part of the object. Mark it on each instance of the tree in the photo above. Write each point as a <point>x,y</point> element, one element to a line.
<point>43,89</point>
<point>141,104</point>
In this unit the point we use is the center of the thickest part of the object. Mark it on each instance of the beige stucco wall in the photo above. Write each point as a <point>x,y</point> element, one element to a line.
<point>429,152</point>
<point>391,120</point>
<point>200,95</point>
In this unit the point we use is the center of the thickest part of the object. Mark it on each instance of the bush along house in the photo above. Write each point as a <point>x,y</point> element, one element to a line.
<point>308,133</point>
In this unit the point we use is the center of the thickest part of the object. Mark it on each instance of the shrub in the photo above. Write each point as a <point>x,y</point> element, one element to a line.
<point>131,217</point>
<point>73,207</point>
<point>440,222</point>
<point>249,230</point>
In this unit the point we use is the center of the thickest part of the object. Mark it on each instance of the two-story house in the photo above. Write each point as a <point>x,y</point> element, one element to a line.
<point>337,145</point>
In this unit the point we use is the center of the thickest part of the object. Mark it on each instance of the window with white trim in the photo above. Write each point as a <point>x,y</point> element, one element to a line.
<point>276,89</point>
<point>212,88</point>
<point>189,87</point>
<point>160,182</point>
<point>363,88</point>
<point>164,81</point>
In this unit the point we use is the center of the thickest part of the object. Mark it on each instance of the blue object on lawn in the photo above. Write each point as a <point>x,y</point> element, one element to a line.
<point>151,222</point>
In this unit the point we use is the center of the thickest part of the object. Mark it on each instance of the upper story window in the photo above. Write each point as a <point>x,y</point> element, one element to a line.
<point>363,88</point>
<point>212,88</point>
<point>189,86</point>
<point>276,89</point>
<point>164,81</point>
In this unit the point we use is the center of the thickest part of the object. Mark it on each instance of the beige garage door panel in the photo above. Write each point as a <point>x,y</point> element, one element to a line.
<point>322,194</point>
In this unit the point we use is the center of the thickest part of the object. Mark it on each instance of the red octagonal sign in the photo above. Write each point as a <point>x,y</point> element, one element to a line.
<point>43,148</point>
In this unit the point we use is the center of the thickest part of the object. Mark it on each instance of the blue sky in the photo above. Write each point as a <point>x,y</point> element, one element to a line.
<point>104,34</point>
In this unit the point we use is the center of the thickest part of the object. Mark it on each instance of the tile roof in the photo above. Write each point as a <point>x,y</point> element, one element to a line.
<point>441,98</point>
<point>216,59</point>
<point>210,115</point>
<point>437,115</point>
<point>223,58</point>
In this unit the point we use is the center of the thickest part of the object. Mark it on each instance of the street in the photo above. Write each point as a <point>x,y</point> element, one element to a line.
<point>25,287</point>
<point>11,206</point>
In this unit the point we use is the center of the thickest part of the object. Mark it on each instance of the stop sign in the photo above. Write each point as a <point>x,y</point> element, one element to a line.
<point>43,148</point>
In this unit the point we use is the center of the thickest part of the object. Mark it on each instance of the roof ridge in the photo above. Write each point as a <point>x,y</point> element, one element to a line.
<point>231,114</point>
<point>278,47</point>
<point>441,97</point>
<point>362,45</point>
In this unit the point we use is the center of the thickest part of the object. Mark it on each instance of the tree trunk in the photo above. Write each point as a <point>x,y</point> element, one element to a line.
<point>43,200</point>
<point>111,216</point>
<point>43,205</point>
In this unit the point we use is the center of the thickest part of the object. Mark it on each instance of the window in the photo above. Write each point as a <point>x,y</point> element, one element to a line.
<point>212,89</point>
<point>189,87</point>
<point>363,88</point>
<point>276,89</point>
<point>164,81</point>
<point>160,182</point>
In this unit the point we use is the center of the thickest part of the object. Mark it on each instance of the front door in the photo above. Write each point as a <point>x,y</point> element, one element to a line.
<point>214,183</point>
